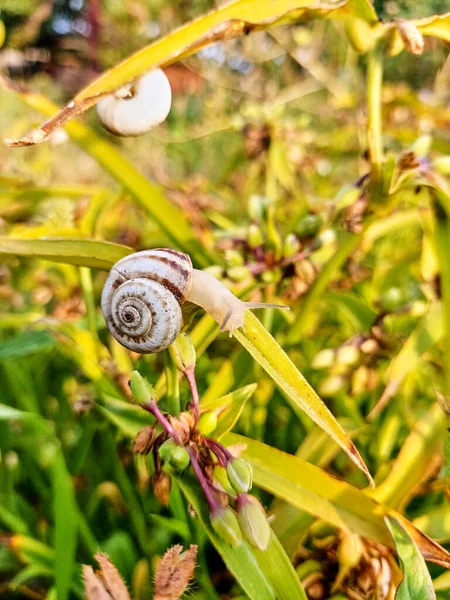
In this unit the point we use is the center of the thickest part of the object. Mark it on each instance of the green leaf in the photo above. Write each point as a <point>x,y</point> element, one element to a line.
<point>129,418</point>
<point>229,408</point>
<point>267,352</point>
<point>416,581</point>
<point>65,514</point>
<point>82,252</point>
<point>263,575</point>
<point>309,488</point>
<point>8,413</point>
<point>27,343</point>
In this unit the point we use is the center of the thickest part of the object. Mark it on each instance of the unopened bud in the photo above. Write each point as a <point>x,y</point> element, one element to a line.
<point>238,273</point>
<point>183,353</point>
<point>207,422</point>
<point>392,299</point>
<point>144,440</point>
<point>234,258</point>
<point>349,554</point>
<point>254,236</point>
<point>162,484</point>
<point>142,391</point>
<point>257,207</point>
<point>331,386</point>
<point>323,359</point>
<point>309,225</point>
<point>290,245</point>
<point>176,456</point>
<point>348,356</point>
<point>253,522</point>
<point>240,474</point>
<point>226,525</point>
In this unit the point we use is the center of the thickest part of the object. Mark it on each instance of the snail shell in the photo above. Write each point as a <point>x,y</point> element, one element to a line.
<point>142,296</point>
<point>137,107</point>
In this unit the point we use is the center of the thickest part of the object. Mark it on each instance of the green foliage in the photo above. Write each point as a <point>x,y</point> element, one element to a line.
<point>290,170</point>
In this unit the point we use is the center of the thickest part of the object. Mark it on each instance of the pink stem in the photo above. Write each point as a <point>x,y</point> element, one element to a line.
<point>154,409</point>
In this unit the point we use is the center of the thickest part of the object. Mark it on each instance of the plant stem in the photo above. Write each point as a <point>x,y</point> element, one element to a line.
<point>213,503</point>
<point>190,376</point>
<point>173,385</point>
<point>374,116</point>
<point>154,409</point>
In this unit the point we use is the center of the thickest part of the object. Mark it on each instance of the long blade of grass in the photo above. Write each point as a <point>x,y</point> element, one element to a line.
<point>267,352</point>
<point>65,512</point>
<point>82,252</point>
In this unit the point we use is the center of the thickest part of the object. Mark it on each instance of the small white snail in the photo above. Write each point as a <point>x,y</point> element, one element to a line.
<point>142,298</point>
<point>137,107</point>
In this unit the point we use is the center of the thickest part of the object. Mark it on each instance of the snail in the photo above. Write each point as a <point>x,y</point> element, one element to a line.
<point>137,107</point>
<point>142,297</point>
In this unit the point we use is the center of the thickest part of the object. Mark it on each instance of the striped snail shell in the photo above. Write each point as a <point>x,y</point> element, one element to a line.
<point>142,296</point>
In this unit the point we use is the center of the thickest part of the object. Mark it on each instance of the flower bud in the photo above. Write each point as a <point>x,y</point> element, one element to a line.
<point>238,274</point>
<point>254,236</point>
<point>207,422</point>
<point>176,456</point>
<point>331,385</point>
<point>257,207</point>
<point>142,391</point>
<point>234,258</point>
<point>309,225</point>
<point>348,356</point>
<point>323,359</point>
<point>162,484</point>
<point>290,245</point>
<point>183,353</point>
<point>253,522</point>
<point>240,474</point>
<point>225,524</point>
<point>144,440</point>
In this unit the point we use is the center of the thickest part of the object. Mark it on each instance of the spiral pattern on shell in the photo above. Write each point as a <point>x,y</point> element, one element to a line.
<point>142,296</point>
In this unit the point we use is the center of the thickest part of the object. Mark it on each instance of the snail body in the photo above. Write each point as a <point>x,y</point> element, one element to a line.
<point>137,107</point>
<point>142,297</point>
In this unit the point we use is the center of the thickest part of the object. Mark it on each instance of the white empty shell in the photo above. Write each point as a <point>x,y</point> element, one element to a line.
<point>137,107</point>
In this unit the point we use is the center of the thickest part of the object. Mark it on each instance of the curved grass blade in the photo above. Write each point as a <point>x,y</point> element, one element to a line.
<point>226,22</point>
<point>416,581</point>
<point>263,575</point>
<point>309,488</point>
<point>82,252</point>
<point>267,352</point>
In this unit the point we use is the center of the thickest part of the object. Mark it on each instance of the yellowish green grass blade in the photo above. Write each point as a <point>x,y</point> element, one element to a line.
<point>83,252</point>
<point>416,581</point>
<point>267,352</point>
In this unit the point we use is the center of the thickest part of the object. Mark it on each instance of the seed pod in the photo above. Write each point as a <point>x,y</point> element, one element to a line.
<point>253,522</point>
<point>162,485</point>
<point>183,353</point>
<point>240,474</point>
<point>144,440</point>
<point>225,524</point>
<point>137,107</point>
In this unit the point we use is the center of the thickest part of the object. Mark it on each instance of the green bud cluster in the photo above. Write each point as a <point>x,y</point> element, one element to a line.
<point>225,523</point>
<point>253,522</point>
<point>240,475</point>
